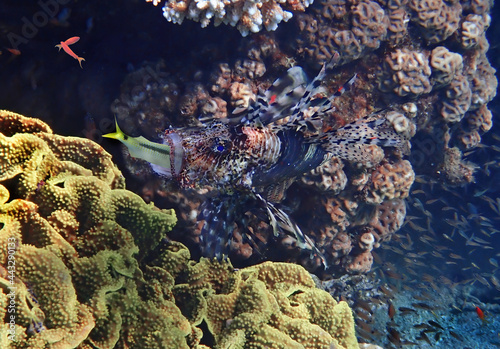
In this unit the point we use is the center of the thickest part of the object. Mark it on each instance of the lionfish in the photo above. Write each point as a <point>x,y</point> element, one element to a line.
<point>250,160</point>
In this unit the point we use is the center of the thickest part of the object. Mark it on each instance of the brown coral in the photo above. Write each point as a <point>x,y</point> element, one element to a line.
<point>241,94</point>
<point>221,78</point>
<point>369,23</point>
<point>438,19</point>
<point>445,65</point>
<point>480,119</point>
<point>361,263</point>
<point>482,80</point>
<point>473,28</point>
<point>331,31</point>
<point>398,25</point>
<point>458,99</point>
<point>406,73</point>
<point>327,177</point>
<point>147,99</point>
<point>468,139</point>
<point>390,181</point>
<point>389,217</point>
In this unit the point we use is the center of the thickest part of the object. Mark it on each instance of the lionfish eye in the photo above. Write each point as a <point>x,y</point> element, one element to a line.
<point>220,145</point>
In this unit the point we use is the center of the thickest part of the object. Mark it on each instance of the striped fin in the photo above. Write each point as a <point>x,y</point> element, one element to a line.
<point>221,215</point>
<point>313,99</point>
<point>275,192</point>
<point>222,212</point>
<point>312,95</point>
<point>277,100</point>
<point>281,222</point>
<point>218,214</point>
<point>288,96</point>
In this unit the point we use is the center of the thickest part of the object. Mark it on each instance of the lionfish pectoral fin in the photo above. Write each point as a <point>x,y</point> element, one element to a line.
<point>218,214</point>
<point>222,215</point>
<point>281,222</point>
<point>275,192</point>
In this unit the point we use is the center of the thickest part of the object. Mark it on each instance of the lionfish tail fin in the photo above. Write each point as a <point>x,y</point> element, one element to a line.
<point>352,142</point>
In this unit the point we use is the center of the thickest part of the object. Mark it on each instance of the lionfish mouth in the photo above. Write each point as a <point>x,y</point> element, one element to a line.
<point>166,158</point>
<point>176,153</point>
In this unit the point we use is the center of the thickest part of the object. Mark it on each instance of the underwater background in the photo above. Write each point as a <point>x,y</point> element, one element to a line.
<point>429,279</point>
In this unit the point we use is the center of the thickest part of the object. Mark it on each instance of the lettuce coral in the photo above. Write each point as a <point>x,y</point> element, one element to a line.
<point>270,305</point>
<point>67,247</point>
<point>85,263</point>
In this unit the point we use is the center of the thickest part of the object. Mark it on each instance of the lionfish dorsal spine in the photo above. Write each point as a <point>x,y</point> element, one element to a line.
<point>289,96</point>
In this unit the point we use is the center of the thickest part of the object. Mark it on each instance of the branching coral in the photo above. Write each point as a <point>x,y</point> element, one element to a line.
<point>247,16</point>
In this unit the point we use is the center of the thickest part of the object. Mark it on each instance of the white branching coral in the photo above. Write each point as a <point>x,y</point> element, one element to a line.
<point>249,16</point>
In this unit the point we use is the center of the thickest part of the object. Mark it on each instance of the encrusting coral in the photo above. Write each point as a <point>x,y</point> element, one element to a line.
<point>267,305</point>
<point>76,264</point>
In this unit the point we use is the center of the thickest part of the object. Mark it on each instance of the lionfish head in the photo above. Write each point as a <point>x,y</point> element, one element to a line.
<point>201,154</point>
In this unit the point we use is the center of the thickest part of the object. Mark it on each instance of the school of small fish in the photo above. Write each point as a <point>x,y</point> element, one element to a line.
<point>447,247</point>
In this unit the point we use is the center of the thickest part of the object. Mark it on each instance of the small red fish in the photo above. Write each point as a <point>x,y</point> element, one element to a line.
<point>480,314</point>
<point>14,51</point>
<point>65,46</point>
<point>272,99</point>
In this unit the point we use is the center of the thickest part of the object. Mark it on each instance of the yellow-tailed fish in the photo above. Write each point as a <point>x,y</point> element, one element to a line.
<point>157,154</point>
